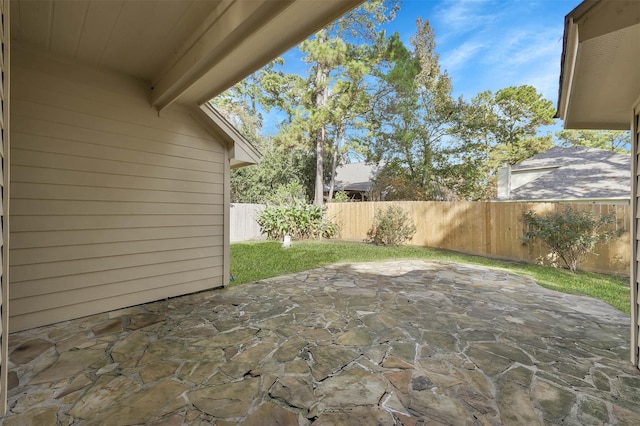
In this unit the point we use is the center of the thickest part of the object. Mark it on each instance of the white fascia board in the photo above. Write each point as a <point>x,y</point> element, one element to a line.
<point>241,151</point>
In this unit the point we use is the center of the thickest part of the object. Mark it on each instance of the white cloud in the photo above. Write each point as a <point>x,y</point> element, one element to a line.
<point>531,57</point>
<point>507,55</point>
<point>464,16</point>
<point>461,56</point>
<point>493,44</point>
<point>522,46</point>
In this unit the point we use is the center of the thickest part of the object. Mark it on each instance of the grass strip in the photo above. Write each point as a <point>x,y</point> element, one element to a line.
<point>256,260</point>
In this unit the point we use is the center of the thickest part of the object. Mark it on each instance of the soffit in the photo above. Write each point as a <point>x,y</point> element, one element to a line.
<point>133,37</point>
<point>187,50</point>
<point>600,78</point>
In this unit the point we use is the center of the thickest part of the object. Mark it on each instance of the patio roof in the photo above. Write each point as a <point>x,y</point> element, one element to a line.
<point>205,46</point>
<point>599,81</point>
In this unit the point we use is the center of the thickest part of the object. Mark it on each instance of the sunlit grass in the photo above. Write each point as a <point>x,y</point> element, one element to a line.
<point>252,261</point>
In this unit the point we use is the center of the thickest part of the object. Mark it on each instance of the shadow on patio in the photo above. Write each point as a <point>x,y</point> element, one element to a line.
<point>405,342</point>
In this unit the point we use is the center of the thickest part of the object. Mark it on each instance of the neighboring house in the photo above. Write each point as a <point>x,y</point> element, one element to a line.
<point>576,174</point>
<point>356,180</point>
<point>115,171</point>
<point>600,89</point>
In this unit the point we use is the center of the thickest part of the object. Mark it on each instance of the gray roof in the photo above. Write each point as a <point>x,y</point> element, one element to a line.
<point>575,173</point>
<point>355,176</point>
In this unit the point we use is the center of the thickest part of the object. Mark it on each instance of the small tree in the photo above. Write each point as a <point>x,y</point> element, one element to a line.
<point>570,234</point>
<point>391,227</point>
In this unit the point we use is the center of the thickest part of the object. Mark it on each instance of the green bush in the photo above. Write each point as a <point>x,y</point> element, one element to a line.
<point>391,227</point>
<point>570,234</point>
<point>298,219</point>
<point>291,193</point>
<point>340,197</point>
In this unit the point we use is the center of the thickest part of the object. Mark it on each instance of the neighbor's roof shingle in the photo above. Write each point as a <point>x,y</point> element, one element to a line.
<point>580,173</point>
<point>356,176</point>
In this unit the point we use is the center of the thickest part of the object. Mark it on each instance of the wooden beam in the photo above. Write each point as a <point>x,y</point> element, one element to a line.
<point>227,26</point>
<point>246,37</point>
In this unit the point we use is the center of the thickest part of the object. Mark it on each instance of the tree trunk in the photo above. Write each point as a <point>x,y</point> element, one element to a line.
<point>319,194</point>
<point>334,164</point>
<point>321,102</point>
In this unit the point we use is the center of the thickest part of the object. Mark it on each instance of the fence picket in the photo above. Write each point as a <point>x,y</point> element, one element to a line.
<point>485,228</point>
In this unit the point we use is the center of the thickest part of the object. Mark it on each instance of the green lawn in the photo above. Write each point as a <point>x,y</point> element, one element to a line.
<point>253,261</point>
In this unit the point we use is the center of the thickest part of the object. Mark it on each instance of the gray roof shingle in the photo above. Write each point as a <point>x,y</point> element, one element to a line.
<point>576,173</point>
<point>355,176</point>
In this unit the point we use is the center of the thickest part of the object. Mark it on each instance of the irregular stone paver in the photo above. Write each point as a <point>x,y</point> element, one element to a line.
<point>227,399</point>
<point>395,343</point>
<point>68,365</point>
<point>30,350</point>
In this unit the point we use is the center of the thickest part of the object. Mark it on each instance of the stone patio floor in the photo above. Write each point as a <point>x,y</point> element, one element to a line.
<point>395,343</point>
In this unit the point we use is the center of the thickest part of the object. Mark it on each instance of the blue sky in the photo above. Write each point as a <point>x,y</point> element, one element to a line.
<point>492,44</point>
<point>486,44</point>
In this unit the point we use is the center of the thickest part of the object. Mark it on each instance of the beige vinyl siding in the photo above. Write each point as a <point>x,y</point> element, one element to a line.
<point>4,200</point>
<point>635,238</point>
<point>113,204</point>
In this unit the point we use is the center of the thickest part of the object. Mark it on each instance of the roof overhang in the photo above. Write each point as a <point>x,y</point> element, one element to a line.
<point>188,51</point>
<point>600,65</point>
<point>241,151</point>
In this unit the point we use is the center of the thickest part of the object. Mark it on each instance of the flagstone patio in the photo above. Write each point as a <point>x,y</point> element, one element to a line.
<point>395,343</point>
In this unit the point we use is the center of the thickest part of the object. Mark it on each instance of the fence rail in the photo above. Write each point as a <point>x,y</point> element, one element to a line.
<point>486,228</point>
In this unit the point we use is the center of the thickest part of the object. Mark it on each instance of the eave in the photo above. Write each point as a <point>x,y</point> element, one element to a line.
<point>600,65</point>
<point>213,65</point>
<point>188,51</point>
<point>241,151</point>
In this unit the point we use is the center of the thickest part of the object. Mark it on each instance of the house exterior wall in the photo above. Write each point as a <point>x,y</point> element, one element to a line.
<point>4,200</point>
<point>523,177</point>
<point>635,239</point>
<point>113,203</point>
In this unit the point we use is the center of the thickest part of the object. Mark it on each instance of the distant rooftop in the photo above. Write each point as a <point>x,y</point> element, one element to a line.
<point>356,176</point>
<point>575,173</point>
<point>558,156</point>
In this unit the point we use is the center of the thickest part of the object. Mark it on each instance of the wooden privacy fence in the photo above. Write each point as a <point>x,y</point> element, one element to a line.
<point>489,229</point>
<point>242,222</point>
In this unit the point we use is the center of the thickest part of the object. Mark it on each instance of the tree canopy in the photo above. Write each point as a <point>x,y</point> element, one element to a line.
<point>612,140</point>
<point>364,94</point>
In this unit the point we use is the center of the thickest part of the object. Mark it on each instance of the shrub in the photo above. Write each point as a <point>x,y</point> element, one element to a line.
<point>391,227</point>
<point>291,193</point>
<point>340,197</point>
<point>298,219</point>
<point>570,234</point>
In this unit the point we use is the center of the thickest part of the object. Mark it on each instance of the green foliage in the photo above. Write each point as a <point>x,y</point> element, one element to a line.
<point>288,194</point>
<point>393,183</point>
<point>340,57</point>
<point>612,140</point>
<point>391,227</point>
<point>570,234</point>
<point>491,129</point>
<point>519,113</point>
<point>409,119</point>
<point>297,219</point>
<point>364,93</point>
<point>278,169</point>
<point>340,197</point>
